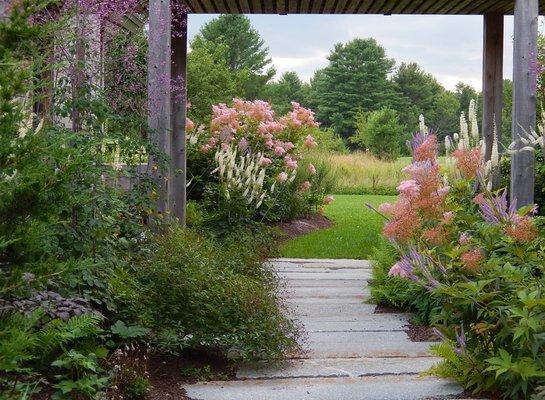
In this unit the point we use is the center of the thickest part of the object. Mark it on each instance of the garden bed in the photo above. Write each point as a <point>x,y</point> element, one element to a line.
<point>304,225</point>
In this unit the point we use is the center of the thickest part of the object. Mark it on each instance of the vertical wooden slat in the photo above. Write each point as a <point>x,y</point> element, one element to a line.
<point>159,76</point>
<point>178,118</point>
<point>492,82</point>
<point>524,98</point>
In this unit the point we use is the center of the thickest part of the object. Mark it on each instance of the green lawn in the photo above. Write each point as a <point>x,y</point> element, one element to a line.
<point>353,235</point>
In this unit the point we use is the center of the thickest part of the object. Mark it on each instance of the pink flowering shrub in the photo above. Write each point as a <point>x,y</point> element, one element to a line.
<point>472,264</point>
<point>252,135</point>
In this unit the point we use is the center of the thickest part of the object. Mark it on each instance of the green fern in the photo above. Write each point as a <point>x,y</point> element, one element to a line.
<point>57,332</point>
<point>452,364</point>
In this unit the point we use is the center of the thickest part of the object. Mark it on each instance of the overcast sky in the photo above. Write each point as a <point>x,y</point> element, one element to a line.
<point>449,47</point>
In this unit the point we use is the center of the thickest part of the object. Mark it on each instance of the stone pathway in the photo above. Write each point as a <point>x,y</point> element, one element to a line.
<point>350,352</point>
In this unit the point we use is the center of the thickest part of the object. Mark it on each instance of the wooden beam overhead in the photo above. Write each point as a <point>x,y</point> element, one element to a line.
<point>465,7</point>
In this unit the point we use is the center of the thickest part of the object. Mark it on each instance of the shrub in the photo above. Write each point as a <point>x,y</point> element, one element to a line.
<point>380,132</point>
<point>480,260</point>
<point>220,296</point>
<point>246,162</point>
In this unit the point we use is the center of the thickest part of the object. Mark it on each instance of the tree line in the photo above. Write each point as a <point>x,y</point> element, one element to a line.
<point>229,59</point>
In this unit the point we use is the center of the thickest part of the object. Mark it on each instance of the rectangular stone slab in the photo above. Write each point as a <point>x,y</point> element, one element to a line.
<point>387,387</point>
<point>341,275</point>
<point>385,322</point>
<point>326,292</point>
<point>362,344</point>
<point>323,309</point>
<point>322,263</point>
<point>338,283</point>
<point>340,367</point>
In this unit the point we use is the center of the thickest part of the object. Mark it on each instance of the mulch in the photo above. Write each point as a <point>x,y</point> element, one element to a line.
<point>302,226</point>
<point>421,333</point>
<point>383,309</point>
<point>167,378</point>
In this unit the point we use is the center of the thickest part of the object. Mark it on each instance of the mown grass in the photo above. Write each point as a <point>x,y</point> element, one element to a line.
<point>353,235</point>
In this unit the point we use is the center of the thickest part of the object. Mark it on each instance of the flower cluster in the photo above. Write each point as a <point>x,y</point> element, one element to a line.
<point>243,173</point>
<point>247,133</point>
<point>495,210</point>
<point>421,198</point>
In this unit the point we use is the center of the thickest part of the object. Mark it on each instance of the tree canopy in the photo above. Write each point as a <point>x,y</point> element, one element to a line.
<point>356,78</point>
<point>245,52</point>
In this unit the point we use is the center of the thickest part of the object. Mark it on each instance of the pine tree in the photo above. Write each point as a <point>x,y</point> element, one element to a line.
<point>356,78</point>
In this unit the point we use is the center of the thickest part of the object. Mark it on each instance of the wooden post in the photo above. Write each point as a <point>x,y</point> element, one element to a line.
<point>492,79</point>
<point>159,92</point>
<point>179,113</point>
<point>524,99</point>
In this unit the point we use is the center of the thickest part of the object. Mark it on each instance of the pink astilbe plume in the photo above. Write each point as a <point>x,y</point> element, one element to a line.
<point>427,150</point>
<point>469,161</point>
<point>472,259</point>
<point>421,198</point>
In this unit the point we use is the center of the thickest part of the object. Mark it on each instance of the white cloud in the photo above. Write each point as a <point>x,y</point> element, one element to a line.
<point>304,66</point>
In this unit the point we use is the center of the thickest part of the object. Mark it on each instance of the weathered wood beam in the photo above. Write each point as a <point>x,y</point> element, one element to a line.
<point>493,27</point>
<point>524,98</point>
<point>159,83</point>
<point>178,118</point>
<point>400,6</point>
<point>474,8</point>
<point>489,7</point>
<point>435,6</point>
<point>376,7</point>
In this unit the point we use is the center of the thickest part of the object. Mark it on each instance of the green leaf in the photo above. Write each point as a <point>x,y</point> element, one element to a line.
<point>126,332</point>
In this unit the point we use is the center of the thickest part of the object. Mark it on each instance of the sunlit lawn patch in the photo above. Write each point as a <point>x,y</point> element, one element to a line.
<point>354,234</point>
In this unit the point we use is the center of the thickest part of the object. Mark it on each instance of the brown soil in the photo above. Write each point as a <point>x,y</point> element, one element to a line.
<point>382,309</point>
<point>421,333</point>
<point>302,226</point>
<point>168,374</point>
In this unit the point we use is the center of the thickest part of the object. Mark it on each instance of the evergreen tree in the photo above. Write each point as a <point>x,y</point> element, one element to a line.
<point>356,78</point>
<point>289,88</point>
<point>421,93</point>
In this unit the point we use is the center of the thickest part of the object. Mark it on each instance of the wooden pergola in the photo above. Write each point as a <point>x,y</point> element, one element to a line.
<point>168,55</point>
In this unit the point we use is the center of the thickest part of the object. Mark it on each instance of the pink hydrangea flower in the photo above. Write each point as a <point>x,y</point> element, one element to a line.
<point>282,177</point>
<point>224,117</point>
<point>279,151</point>
<point>290,163</point>
<point>310,142</point>
<point>305,186</point>
<point>288,146</point>
<point>311,169</point>
<point>265,161</point>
